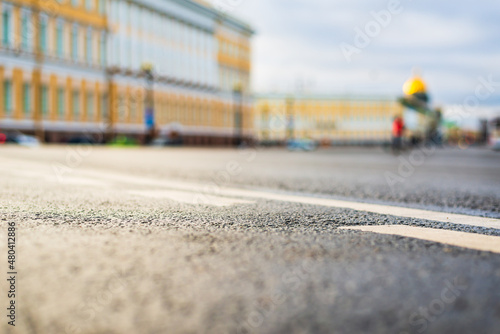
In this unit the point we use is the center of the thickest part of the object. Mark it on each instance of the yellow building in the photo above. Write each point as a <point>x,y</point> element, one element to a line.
<point>328,119</point>
<point>75,67</point>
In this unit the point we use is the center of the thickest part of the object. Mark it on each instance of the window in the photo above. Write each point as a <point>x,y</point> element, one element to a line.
<point>133,107</point>
<point>75,2</point>
<point>45,101</point>
<point>7,98</point>
<point>122,108</point>
<point>90,106</point>
<point>60,103</point>
<point>104,106</point>
<point>6,28</point>
<point>24,32</point>
<point>103,50</point>
<point>74,43</point>
<point>59,39</point>
<point>43,35</point>
<point>88,4</point>
<point>89,47</point>
<point>27,98</point>
<point>100,5</point>
<point>76,105</point>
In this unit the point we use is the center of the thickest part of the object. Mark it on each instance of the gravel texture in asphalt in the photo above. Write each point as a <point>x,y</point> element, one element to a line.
<point>456,180</point>
<point>94,258</point>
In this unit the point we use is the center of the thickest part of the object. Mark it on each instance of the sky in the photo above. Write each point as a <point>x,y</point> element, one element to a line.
<point>315,46</point>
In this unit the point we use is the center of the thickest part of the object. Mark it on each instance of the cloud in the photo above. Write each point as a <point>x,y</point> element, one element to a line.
<point>417,30</point>
<point>453,43</point>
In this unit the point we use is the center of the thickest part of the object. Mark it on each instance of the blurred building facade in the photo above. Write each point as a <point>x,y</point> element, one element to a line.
<point>329,119</point>
<point>76,67</point>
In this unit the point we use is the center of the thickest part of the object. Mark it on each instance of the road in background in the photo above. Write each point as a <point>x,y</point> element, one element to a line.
<point>454,180</point>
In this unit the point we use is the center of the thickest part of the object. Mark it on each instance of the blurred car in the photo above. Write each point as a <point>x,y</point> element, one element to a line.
<point>8,138</point>
<point>82,140</point>
<point>495,144</point>
<point>124,141</point>
<point>27,141</point>
<point>494,138</point>
<point>165,141</point>
<point>302,145</point>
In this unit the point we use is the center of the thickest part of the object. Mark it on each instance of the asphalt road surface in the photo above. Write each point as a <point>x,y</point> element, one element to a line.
<point>185,240</point>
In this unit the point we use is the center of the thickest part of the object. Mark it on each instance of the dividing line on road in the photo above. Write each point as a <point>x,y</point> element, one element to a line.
<point>208,190</point>
<point>374,208</point>
<point>189,197</point>
<point>454,238</point>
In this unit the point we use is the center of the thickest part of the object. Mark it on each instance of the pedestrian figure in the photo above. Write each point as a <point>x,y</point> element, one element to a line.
<point>398,127</point>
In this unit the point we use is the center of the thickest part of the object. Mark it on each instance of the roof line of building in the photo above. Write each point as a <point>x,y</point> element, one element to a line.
<point>207,9</point>
<point>325,96</point>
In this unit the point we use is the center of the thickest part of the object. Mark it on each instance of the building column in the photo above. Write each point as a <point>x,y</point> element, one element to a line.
<point>16,21</point>
<point>97,103</point>
<point>69,99</point>
<point>83,101</point>
<point>112,109</point>
<point>53,97</point>
<point>17,88</point>
<point>36,89</point>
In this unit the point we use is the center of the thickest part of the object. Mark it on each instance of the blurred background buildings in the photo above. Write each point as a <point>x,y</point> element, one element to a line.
<point>100,67</point>
<point>97,70</point>
<point>329,119</point>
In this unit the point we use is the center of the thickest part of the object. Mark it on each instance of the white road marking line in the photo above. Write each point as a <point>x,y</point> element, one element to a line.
<point>374,208</point>
<point>461,239</point>
<point>68,180</point>
<point>189,197</point>
<point>210,189</point>
<point>358,206</point>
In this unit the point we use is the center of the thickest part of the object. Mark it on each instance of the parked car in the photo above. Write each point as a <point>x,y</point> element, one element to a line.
<point>494,138</point>
<point>124,141</point>
<point>8,138</point>
<point>25,140</point>
<point>81,140</point>
<point>165,141</point>
<point>494,143</point>
<point>302,145</point>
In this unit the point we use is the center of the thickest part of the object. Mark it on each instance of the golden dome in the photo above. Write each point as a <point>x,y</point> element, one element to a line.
<point>414,85</point>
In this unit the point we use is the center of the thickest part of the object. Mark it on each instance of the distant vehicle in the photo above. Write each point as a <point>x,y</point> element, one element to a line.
<point>123,141</point>
<point>302,145</point>
<point>27,141</point>
<point>494,134</point>
<point>9,138</point>
<point>83,140</point>
<point>165,141</point>
<point>19,138</point>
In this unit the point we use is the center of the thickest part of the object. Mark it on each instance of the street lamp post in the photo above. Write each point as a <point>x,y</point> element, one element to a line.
<point>238,119</point>
<point>149,114</point>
